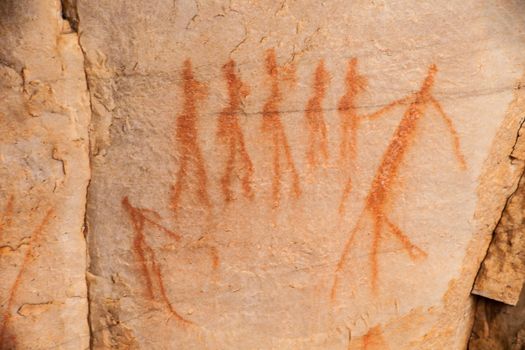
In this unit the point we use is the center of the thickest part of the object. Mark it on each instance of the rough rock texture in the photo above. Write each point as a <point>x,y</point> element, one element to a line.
<point>264,175</point>
<point>499,326</point>
<point>296,174</point>
<point>502,273</point>
<point>44,167</point>
<point>501,277</point>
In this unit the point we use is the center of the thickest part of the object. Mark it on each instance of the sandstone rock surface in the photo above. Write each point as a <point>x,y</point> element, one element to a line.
<point>263,174</point>
<point>499,326</point>
<point>44,167</point>
<point>501,278</point>
<point>296,174</point>
<point>502,273</point>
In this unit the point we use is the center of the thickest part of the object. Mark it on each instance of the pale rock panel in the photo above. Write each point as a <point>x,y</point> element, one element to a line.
<point>44,167</point>
<point>296,174</point>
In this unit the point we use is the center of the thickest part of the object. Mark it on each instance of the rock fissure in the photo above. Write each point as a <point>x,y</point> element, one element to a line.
<point>486,271</point>
<point>70,14</point>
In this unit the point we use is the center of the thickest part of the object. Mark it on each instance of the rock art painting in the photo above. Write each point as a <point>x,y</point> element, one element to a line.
<point>230,134</point>
<point>380,195</point>
<point>347,108</point>
<point>149,266</point>
<point>191,167</point>
<point>273,127</point>
<point>374,217</point>
<point>8,341</point>
<point>317,151</point>
<point>264,174</point>
<point>253,174</point>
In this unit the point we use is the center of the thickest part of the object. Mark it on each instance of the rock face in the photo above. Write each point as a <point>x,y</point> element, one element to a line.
<point>499,326</point>
<point>44,167</point>
<point>502,273</point>
<point>289,175</point>
<point>501,278</point>
<point>264,175</point>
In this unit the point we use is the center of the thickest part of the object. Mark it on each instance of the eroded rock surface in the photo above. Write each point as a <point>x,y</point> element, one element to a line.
<point>296,174</point>
<point>44,167</point>
<point>264,175</point>
<point>500,280</point>
<point>502,273</point>
<point>499,326</point>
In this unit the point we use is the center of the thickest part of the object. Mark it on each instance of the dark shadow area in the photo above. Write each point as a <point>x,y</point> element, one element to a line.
<point>498,326</point>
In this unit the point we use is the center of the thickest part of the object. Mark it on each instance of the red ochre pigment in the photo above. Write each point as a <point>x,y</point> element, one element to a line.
<point>380,194</point>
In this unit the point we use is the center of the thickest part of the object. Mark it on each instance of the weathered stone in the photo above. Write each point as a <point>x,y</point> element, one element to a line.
<point>44,167</point>
<point>296,174</point>
<point>265,175</point>
<point>502,273</point>
<point>499,326</point>
<point>501,278</point>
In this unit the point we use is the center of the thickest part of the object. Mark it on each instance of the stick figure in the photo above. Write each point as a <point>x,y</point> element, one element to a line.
<point>148,262</point>
<point>186,135</point>
<point>317,143</point>
<point>272,125</point>
<point>230,133</point>
<point>380,194</point>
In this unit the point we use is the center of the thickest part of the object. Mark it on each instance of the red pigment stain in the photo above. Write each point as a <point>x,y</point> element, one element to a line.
<point>230,134</point>
<point>373,339</point>
<point>5,220</point>
<point>28,257</point>
<point>317,150</point>
<point>146,256</point>
<point>273,126</point>
<point>186,135</point>
<point>351,120</point>
<point>215,261</point>
<point>380,194</point>
<point>354,84</point>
